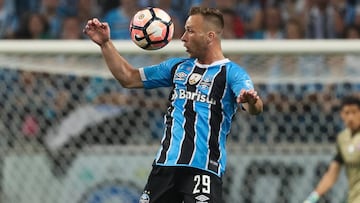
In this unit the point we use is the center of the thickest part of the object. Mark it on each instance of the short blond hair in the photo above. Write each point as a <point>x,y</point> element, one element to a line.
<point>212,15</point>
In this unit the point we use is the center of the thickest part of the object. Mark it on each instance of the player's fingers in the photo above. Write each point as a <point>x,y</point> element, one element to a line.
<point>104,25</point>
<point>251,93</point>
<point>97,22</point>
<point>94,24</point>
<point>242,92</point>
<point>86,28</point>
<point>248,96</point>
<point>239,98</point>
<point>255,95</point>
<point>89,24</point>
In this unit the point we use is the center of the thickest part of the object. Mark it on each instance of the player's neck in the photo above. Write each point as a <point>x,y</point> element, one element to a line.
<point>355,131</point>
<point>211,57</point>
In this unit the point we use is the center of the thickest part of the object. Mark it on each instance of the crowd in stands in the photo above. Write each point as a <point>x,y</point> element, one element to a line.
<point>244,19</point>
<point>59,109</point>
<point>42,107</point>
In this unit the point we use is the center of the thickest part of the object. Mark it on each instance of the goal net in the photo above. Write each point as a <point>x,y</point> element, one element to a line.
<point>70,132</point>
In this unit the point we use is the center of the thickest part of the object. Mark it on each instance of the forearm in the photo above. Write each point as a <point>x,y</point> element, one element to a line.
<point>125,73</point>
<point>325,184</point>
<point>255,108</point>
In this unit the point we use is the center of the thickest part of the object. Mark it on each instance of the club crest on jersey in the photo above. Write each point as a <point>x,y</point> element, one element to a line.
<point>194,78</point>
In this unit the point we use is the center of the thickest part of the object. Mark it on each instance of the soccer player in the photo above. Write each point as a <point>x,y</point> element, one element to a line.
<point>207,89</point>
<point>348,154</point>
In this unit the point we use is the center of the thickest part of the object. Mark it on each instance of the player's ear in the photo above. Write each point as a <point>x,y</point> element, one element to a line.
<point>210,36</point>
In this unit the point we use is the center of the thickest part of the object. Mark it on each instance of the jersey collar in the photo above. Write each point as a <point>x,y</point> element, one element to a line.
<point>222,61</point>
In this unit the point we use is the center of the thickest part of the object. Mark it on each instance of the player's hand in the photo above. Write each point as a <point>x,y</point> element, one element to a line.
<point>99,32</point>
<point>309,201</point>
<point>247,96</point>
<point>312,198</point>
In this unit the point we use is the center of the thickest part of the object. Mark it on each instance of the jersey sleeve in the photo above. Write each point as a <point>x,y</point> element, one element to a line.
<point>239,79</point>
<point>159,75</point>
<point>338,157</point>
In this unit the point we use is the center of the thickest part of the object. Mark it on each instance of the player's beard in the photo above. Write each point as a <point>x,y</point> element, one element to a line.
<point>197,50</point>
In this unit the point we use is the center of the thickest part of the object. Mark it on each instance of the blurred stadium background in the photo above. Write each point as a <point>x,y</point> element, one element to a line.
<point>70,133</point>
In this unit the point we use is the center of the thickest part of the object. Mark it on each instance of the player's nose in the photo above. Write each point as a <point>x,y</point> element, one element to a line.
<point>183,37</point>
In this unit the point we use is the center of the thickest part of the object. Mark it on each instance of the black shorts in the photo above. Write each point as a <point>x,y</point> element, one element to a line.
<point>182,185</point>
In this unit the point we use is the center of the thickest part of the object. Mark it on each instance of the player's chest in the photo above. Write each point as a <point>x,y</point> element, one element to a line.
<point>350,149</point>
<point>203,80</point>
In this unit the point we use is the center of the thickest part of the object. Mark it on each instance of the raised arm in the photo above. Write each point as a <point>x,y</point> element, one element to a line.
<point>125,73</point>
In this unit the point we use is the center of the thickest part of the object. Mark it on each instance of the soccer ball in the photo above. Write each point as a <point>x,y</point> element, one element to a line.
<point>151,28</point>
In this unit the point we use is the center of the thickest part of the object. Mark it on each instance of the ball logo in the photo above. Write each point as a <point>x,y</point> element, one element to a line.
<point>141,16</point>
<point>138,38</point>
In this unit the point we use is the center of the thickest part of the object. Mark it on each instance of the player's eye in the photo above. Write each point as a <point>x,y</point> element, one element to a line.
<point>189,31</point>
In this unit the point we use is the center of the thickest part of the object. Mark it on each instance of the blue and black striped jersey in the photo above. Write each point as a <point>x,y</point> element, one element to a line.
<point>202,104</point>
